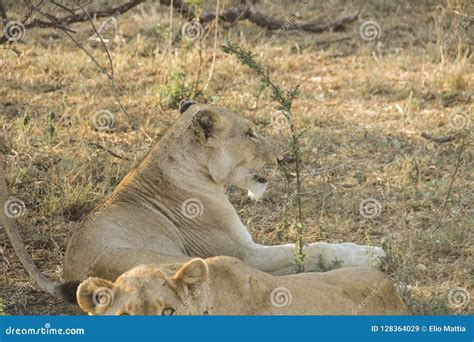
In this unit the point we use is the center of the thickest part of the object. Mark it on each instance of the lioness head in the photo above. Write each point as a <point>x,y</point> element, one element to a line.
<point>148,290</point>
<point>235,152</point>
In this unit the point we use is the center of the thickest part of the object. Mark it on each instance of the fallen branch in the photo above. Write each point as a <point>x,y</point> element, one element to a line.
<point>250,13</point>
<point>440,140</point>
<point>230,16</point>
<point>313,26</point>
<point>73,17</point>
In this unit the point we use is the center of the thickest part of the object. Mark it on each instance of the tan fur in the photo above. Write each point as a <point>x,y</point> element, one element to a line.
<point>143,221</point>
<point>226,286</point>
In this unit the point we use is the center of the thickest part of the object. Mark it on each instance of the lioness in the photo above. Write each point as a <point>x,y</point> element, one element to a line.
<point>173,207</point>
<point>227,286</point>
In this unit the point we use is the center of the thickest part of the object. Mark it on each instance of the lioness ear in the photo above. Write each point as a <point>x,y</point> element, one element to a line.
<point>95,294</point>
<point>206,122</point>
<point>192,274</point>
<point>185,104</point>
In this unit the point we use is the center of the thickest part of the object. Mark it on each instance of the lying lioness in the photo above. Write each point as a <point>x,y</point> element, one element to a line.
<point>227,286</point>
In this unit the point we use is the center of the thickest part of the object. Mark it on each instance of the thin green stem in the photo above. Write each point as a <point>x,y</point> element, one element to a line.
<point>284,98</point>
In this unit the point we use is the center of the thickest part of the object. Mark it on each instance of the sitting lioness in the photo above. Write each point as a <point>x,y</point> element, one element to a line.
<point>227,286</point>
<point>173,207</point>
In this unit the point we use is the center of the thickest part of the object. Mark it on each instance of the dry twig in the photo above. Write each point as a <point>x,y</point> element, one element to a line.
<point>440,140</point>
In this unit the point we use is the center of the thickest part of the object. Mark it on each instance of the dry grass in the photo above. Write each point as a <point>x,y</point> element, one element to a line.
<point>363,105</point>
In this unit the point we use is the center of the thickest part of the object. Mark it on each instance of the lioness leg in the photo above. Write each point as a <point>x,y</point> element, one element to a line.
<point>279,260</point>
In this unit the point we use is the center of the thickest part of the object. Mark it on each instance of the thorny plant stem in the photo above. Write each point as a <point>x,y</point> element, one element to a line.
<point>296,155</point>
<point>284,98</point>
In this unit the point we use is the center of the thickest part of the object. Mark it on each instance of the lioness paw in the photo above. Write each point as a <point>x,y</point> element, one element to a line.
<point>362,255</point>
<point>346,254</point>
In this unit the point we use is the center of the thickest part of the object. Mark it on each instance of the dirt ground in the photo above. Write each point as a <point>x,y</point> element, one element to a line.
<point>363,107</point>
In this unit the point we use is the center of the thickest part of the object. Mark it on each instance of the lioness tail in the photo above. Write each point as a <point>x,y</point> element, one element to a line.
<point>63,291</point>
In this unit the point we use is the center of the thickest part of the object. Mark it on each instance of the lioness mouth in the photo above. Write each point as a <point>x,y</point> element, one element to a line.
<point>260,179</point>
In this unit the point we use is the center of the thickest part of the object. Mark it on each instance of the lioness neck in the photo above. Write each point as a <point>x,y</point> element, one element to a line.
<point>169,172</point>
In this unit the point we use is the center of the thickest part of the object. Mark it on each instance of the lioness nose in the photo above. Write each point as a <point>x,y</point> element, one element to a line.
<point>280,160</point>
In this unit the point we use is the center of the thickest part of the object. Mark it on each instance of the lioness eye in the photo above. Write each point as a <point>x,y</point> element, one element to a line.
<point>168,311</point>
<point>124,314</point>
<point>252,135</point>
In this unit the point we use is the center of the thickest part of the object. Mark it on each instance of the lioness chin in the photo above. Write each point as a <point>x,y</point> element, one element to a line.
<point>226,286</point>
